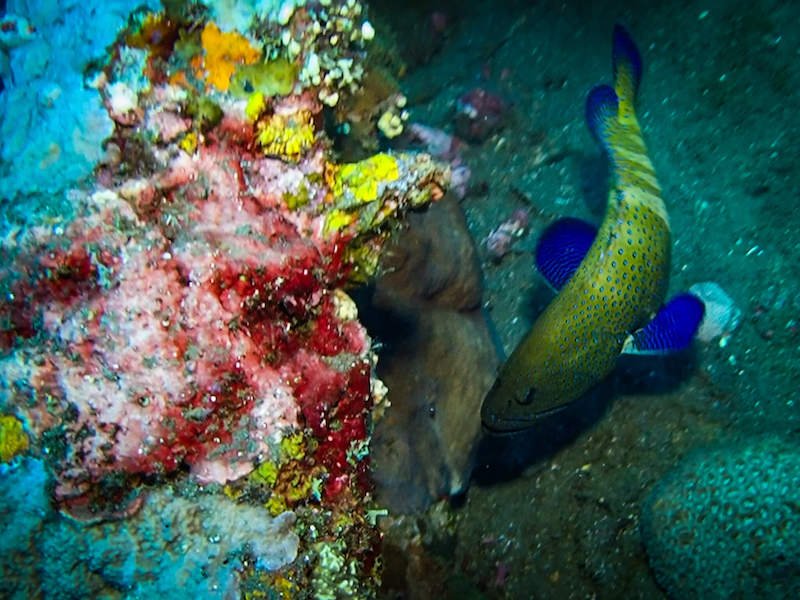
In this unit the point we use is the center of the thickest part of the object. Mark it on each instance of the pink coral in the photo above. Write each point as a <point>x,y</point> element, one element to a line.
<point>159,346</point>
<point>188,319</point>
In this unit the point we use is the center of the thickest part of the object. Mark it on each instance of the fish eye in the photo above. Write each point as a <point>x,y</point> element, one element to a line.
<point>432,410</point>
<point>528,398</point>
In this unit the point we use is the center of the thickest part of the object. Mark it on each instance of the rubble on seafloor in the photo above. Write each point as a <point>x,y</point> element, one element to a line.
<point>184,343</point>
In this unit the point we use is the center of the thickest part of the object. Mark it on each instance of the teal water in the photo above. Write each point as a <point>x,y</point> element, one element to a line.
<point>677,477</point>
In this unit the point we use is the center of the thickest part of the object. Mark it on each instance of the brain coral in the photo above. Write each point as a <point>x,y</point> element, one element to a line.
<point>726,523</point>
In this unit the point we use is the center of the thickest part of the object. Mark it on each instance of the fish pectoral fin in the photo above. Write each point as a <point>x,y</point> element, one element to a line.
<point>671,330</point>
<point>561,248</point>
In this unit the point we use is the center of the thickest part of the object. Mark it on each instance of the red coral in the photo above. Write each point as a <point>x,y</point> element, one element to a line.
<point>335,406</point>
<point>197,349</point>
<point>187,317</point>
<point>52,272</point>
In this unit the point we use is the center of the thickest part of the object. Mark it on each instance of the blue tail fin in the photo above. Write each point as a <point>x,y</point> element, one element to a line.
<point>627,64</point>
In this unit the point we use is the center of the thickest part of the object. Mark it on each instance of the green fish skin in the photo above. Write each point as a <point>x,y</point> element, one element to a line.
<point>618,286</point>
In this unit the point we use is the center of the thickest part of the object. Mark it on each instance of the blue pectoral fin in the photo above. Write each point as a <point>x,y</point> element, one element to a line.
<point>561,249</point>
<point>671,330</point>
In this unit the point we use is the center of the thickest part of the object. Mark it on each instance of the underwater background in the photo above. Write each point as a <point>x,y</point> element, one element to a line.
<point>246,333</point>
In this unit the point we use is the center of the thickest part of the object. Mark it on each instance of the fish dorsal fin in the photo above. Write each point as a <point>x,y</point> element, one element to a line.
<point>601,114</point>
<point>671,330</point>
<point>561,249</point>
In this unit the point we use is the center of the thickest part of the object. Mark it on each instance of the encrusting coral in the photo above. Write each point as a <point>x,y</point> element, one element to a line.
<point>192,315</point>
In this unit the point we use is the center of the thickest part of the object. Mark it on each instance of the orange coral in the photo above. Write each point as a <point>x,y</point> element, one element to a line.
<point>223,53</point>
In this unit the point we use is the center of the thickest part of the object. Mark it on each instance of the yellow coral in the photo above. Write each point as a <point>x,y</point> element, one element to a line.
<point>255,106</point>
<point>360,180</point>
<point>224,52</point>
<point>265,585</point>
<point>265,474</point>
<point>287,137</point>
<point>283,586</point>
<point>365,199</point>
<point>337,220</point>
<point>293,446</point>
<point>276,505</point>
<point>234,493</point>
<point>189,142</point>
<point>356,184</point>
<point>13,440</point>
<point>298,485</point>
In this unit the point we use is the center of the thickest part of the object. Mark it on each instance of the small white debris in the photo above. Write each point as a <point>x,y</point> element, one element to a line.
<point>367,31</point>
<point>285,13</point>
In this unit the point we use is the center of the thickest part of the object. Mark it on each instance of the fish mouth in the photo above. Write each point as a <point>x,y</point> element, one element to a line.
<point>495,425</point>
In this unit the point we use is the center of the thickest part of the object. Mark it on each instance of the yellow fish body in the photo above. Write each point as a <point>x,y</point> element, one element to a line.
<point>609,292</point>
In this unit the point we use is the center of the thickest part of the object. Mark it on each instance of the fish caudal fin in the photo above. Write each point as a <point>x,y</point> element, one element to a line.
<point>611,116</point>
<point>627,72</point>
<point>671,330</point>
<point>609,109</point>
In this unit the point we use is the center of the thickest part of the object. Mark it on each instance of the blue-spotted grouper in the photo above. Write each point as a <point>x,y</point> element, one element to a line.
<point>612,281</point>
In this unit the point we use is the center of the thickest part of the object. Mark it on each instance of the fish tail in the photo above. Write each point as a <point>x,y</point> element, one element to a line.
<point>611,116</point>
<point>627,72</point>
<point>609,109</point>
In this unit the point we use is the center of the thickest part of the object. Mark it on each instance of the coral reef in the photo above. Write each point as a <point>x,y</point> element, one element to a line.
<point>191,542</point>
<point>191,317</point>
<point>24,508</point>
<point>199,543</point>
<point>726,522</point>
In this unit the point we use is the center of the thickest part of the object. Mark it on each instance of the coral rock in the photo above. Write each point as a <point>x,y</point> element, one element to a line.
<point>726,523</point>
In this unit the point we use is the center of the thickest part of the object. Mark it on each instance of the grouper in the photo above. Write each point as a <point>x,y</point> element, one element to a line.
<point>611,281</point>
